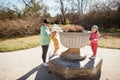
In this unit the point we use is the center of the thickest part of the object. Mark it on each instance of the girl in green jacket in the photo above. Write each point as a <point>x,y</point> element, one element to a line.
<point>45,40</point>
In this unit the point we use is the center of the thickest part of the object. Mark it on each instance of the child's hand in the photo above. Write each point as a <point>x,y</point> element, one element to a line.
<point>53,33</point>
<point>89,32</point>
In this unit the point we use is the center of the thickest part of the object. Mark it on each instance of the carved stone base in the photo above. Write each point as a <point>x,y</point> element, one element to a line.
<point>70,70</point>
<point>72,54</point>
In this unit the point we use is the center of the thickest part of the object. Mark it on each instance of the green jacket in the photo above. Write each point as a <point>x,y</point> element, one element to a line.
<point>45,35</point>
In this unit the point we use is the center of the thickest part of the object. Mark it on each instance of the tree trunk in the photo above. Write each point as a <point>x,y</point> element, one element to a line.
<point>63,12</point>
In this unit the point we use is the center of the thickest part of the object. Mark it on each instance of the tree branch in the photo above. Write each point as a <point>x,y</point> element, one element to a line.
<point>26,4</point>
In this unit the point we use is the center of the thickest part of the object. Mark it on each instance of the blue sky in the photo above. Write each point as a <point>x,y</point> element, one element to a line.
<point>20,5</point>
<point>10,3</point>
<point>50,3</point>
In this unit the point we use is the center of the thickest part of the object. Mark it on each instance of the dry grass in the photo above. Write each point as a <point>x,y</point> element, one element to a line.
<point>19,43</point>
<point>14,44</point>
<point>109,42</point>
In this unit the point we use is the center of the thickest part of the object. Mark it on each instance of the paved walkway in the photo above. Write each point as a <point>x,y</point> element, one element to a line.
<point>27,65</point>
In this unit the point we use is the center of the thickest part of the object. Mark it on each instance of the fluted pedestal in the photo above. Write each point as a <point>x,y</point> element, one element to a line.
<point>72,54</point>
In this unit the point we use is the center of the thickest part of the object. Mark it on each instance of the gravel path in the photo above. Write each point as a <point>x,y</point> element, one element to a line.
<point>27,65</point>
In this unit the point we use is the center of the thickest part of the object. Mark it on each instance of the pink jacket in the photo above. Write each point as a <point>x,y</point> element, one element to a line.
<point>94,37</point>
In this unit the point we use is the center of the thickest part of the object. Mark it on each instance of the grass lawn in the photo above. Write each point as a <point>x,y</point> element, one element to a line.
<point>109,42</point>
<point>14,44</point>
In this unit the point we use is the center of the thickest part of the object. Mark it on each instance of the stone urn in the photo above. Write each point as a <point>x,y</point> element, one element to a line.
<point>71,65</point>
<point>73,41</point>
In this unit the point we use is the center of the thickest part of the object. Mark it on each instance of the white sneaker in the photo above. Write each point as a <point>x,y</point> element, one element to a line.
<point>92,57</point>
<point>45,64</point>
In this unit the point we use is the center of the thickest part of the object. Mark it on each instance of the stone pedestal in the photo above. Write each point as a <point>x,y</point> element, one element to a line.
<point>81,70</point>
<point>72,54</point>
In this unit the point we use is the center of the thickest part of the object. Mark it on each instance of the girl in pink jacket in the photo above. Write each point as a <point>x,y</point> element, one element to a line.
<point>94,40</point>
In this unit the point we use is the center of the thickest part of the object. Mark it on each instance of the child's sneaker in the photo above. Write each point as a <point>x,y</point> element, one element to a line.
<point>92,57</point>
<point>45,64</point>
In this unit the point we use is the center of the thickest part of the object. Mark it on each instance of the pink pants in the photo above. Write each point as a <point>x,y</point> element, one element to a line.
<point>94,48</point>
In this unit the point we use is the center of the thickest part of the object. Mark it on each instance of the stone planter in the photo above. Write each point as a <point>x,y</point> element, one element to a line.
<point>73,41</point>
<point>71,65</point>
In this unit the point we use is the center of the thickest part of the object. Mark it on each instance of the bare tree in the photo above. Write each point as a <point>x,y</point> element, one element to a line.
<point>32,8</point>
<point>63,11</point>
<point>109,6</point>
<point>29,3</point>
<point>79,6</point>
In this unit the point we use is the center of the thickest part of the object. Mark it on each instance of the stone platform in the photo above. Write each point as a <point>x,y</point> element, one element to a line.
<point>81,70</point>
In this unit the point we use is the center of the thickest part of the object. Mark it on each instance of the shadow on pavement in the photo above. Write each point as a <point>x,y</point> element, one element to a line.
<point>42,74</point>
